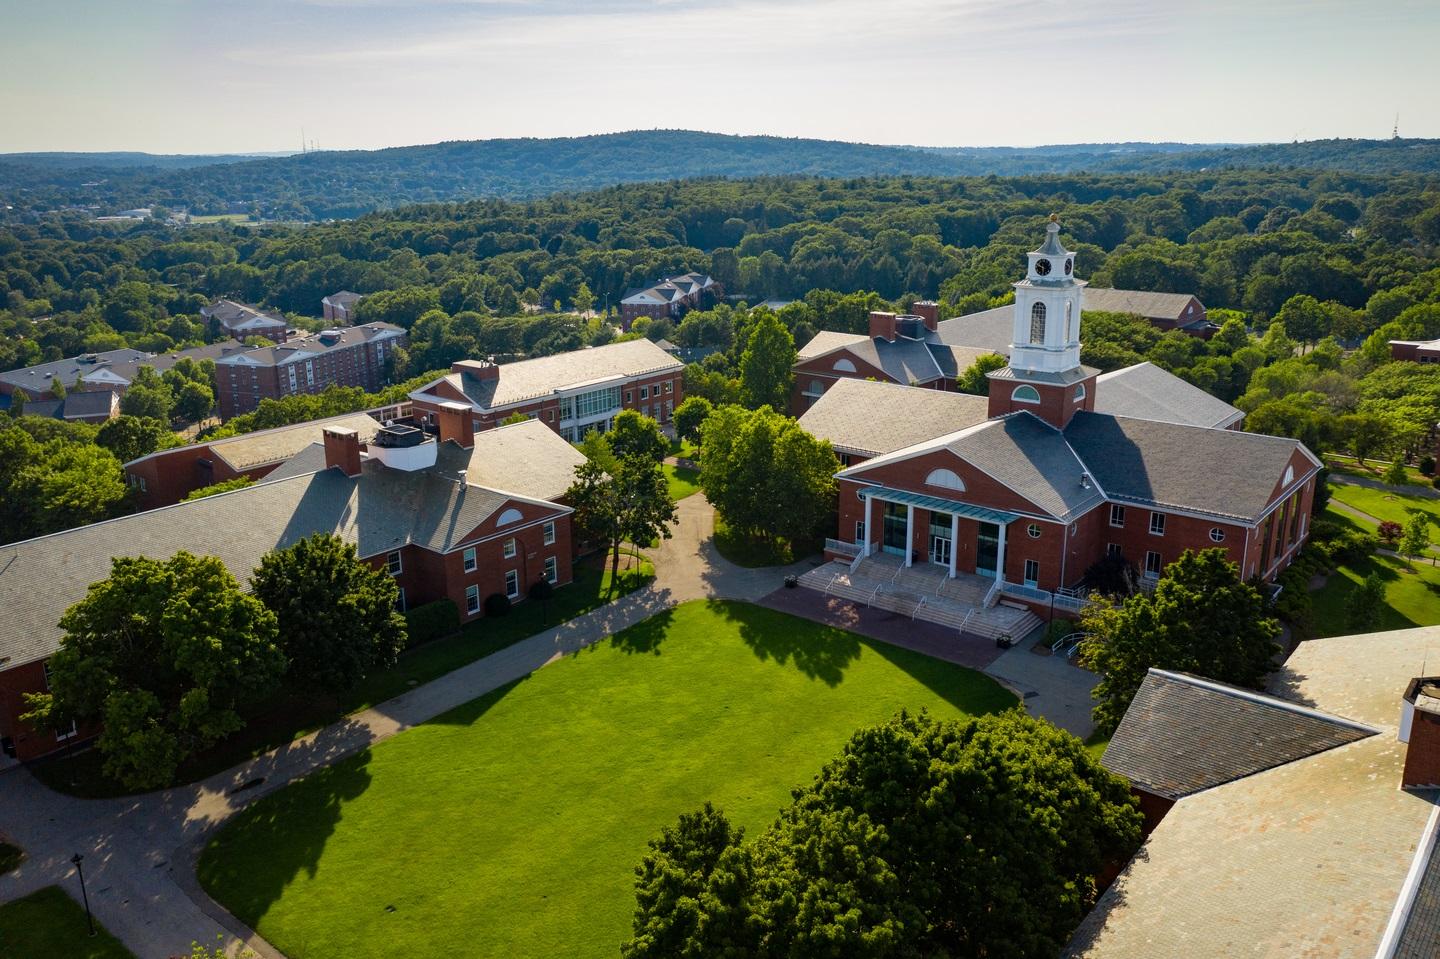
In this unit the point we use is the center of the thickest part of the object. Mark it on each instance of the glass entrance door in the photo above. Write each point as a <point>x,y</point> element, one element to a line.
<point>894,531</point>
<point>987,549</point>
<point>940,544</point>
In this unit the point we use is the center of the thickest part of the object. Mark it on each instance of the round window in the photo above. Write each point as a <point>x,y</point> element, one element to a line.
<point>1034,530</point>
<point>1217,535</point>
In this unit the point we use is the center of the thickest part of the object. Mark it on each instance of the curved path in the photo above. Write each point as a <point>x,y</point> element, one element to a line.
<point>140,851</point>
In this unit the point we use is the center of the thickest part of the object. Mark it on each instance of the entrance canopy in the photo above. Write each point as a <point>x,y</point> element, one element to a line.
<point>936,504</point>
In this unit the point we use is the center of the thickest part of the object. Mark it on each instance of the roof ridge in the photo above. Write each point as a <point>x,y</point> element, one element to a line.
<point>1262,699</point>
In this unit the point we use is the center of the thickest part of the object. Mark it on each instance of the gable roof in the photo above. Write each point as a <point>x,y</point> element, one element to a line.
<point>77,404</point>
<point>827,341</point>
<point>1145,391</point>
<point>523,458</point>
<point>1159,306</point>
<point>906,361</point>
<point>1182,467</point>
<point>560,373</point>
<point>241,316</point>
<point>303,347</point>
<point>1182,734</point>
<point>869,417</point>
<point>343,298</point>
<point>989,330</point>
<point>36,379</point>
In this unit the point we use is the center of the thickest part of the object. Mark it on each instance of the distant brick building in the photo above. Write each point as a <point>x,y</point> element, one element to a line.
<point>354,356</point>
<point>1416,351</point>
<point>571,393</point>
<point>112,370</point>
<point>670,297</point>
<point>339,308</point>
<point>241,320</point>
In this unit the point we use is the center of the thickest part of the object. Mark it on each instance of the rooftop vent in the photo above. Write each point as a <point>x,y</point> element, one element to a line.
<point>397,437</point>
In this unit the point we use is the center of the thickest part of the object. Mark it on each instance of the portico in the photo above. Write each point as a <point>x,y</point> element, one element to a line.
<point>961,537</point>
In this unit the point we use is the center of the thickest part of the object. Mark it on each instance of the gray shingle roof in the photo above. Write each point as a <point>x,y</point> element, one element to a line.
<point>317,343</point>
<point>870,418</point>
<point>904,360</point>
<point>990,330</point>
<point>547,375</point>
<point>1183,467</point>
<point>249,450</point>
<point>116,366</point>
<point>241,316</point>
<point>1031,458</point>
<point>1420,937</point>
<point>1183,734</point>
<point>524,458</point>
<point>1160,306</point>
<point>1147,392</point>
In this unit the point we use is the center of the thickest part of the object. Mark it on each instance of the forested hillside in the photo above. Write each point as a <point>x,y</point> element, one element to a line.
<point>341,184</point>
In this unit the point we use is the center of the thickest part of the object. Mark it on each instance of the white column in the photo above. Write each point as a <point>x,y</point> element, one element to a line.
<point>869,525</point>
<point>1000,557</point>
<point>954,540</point>
<point>909,534</point>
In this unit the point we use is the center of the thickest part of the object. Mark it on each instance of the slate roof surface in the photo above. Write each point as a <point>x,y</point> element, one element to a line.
<point>989,330</point>
<point>1145,391</point>
<point>547,375</point>
<point>241,316</point>
<point>343,298</point>
<point>75,405</point>
<point>1307,858</point>
<point>906,361</point>
<point>300,347</point>
<point>524,458</point>
<point>826,341</point>
<point>36,379</point>
<point>1160,306</point>
<point>1183,734</point>
<point>870,417</point>
<point>249,450</point>
<point>1187,467</point>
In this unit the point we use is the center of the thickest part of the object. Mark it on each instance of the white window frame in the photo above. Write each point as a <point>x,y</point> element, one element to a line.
<point>509,549</point>
<point>1155,573</point>
<point>394,563</point>
<point>552,570</point>
<point>1034,530</point>
<point>644,392</point>
<point>472,600</point>
<point>1117,512</point>
<point>1113,549</point>
<point>469,559</point>
<point>549,537</point>
<point>669,386</point>
<point>512,583</point>
<point>62,735</point>
<point>1032,581</point>
<point>401,604</point>
<point>859,531</point>
<point>1157,523</point>
<point>1217,535</point>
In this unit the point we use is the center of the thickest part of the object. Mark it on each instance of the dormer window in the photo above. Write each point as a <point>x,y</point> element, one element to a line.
<point>1037,323</point>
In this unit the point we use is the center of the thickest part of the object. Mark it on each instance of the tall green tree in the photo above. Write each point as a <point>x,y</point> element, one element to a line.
<point>923,838</point>
<point>1365,604</point>
<point>619,498</point>
<point>689,415</point>
<point>148,397</point>
<point>337,615</point>
<point>193,401</point>
<point>973,379</point>
<point>130,437</point>
<point>1416,540</point>
<point>766,365</point>
<point>163,652</point>
<point>636,435</point>
<point>57,484</point>
<point>1201,618</point>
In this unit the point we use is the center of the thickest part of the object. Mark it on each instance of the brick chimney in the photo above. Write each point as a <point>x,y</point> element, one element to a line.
<point>455,423</point>
<point>342,450</point>
<point>929,311</point>
<point>882,325</point>
<point>480,369</point>
<point>1420,731</point>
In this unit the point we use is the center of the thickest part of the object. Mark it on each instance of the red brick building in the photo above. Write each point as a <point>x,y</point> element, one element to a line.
<point>240,320</point>
<point>670,297</point>
<point>1415,351</point>
<point>355,356</point>
<point>460,517</point>
<point>1015,504</point>
<point>339,308</point>
<point>572,393</point>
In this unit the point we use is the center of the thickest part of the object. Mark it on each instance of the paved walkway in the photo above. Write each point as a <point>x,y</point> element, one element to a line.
<point>1345,479</point>
<point>140,851</point>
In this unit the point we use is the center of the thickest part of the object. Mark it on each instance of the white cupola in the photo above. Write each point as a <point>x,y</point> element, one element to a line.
<point>1046,336</point>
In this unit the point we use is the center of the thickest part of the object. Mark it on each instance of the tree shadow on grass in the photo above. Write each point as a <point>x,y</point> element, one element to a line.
<point>646,635</point>
<point>820,652</point>
<point>248,865</point>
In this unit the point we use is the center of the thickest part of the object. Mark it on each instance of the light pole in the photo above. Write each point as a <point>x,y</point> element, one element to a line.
<point>75,861</point>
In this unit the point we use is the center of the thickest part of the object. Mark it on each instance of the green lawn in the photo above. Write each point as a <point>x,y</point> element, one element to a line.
<point>1412,593</point>
<point>49,925</point>
<point>1383,505</point>
<point>289,717</point>
<point>512,825</point>
<point>684,449</point>
<point>1373,469</point>
<point>221,218</point>
<point>683,481</point>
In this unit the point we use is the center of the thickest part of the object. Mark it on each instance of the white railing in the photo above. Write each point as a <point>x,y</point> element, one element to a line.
<point>914,612</point>
<point>992,596</point>
<point>842,547</point>
<point>1075,603</point>
<point>859,558</point>
<point>1028,592</point>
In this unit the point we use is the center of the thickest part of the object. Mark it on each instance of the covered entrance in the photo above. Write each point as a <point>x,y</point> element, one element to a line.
<point>894,513</point>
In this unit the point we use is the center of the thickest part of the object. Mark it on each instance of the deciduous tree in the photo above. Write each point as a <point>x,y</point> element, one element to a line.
<point>636,435</point>
<point>765,366</point>
<point>689,415</point>
<point>973,379</point>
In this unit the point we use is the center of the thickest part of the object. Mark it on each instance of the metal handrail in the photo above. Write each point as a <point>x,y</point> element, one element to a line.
<point>916,610</point>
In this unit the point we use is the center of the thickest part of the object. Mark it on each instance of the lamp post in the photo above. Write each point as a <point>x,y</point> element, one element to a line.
<point>75,861</point>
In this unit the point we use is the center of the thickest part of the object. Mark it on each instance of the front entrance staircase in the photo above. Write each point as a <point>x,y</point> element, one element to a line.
<point>923,592</point>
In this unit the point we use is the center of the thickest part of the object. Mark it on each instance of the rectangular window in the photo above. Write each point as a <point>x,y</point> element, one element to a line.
<point>669,386</point>
<point>512,584</point>
<point>860,531</point>
<point>470,560</point>
<point>644,392</point>
<point>309,373</point>
<point>551,572</point>
<point>510,548</point>
<point>392,563</point>
<point>1032,572</point>
<point>472,599</point>
<point>1117,515</point>
<point>400,601</point>
<point>1157,524</point>
<point>1112,549</point>
<point>550,416</point>
<point>293,384</point>
<point>549,534</point>
<point>474,426</point>
<point>63,734</point>
<point>645,410</point>
<point>629,397</point>
<point>1152,565</point>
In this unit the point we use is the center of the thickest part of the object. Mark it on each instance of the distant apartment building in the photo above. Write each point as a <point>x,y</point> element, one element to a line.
<point>670,297</point>
<point>356,356</point>
<point>112,370</point>
<point>339,308</point>
<point>572,393</point>
<point>241,320</point>
<point>1416,351</point>
<point>95,406</point>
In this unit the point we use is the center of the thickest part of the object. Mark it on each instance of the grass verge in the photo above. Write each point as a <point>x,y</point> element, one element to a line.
<point>48,925</point>
<point>1384,505</point>
<point>1412,592</point>
<point>513,824</point>
<point>683,481</point>
<point>289,716</point>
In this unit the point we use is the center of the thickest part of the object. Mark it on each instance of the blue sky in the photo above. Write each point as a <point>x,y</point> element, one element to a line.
<point>205,76</point>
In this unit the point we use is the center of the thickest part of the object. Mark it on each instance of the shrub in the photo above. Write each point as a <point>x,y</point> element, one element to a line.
<point>1395,473</point>
<point>1390,533</point>
<point>1427,465</point>
<point>1435,482</point>
<point>497,604</point>
<point>431,621</point>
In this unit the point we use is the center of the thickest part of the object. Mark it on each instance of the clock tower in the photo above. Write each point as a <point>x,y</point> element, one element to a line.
<point>1045,375</point>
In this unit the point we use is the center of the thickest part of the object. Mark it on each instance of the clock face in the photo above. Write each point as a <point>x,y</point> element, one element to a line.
<point>1042,267</point>
<point>1069,265</point>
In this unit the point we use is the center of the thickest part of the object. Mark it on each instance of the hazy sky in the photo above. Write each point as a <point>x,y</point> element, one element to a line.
<point>209,76</point>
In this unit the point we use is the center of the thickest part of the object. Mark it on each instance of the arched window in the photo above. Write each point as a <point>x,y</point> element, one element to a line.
<point>1037,323</point>
<point>1079,393</point>
<point>1289,476</point>
<point>844,366</point>
<point>1069,319</point>
<point>1025,394</point>
<point>945,479</point>
<point>508,517</point>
